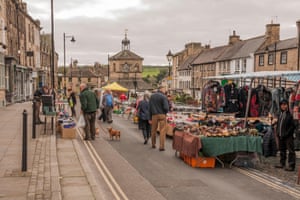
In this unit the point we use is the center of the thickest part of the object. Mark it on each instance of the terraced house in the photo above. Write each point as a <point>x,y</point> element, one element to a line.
<point>260,53</point>
<point>21,71</point>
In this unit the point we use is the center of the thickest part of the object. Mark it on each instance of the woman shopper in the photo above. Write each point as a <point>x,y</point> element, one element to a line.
<point>144,117</point>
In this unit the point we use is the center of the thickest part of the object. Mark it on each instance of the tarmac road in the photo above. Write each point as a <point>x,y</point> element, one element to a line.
<point>145,173</point>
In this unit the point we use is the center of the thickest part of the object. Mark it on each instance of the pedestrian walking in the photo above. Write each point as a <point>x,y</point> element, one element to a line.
<point>158,108</point>
<point>144,117</point>
<point>102,115</point>
<point>72,101</point>
<point>38,102</point>
<point>89,106</point>
<point>285,133</point>
<point>108,104</point>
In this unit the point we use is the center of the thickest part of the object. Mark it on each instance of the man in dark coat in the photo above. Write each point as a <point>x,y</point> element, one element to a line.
<point>158,109</point>
<point>285,132</point>
<point>89,105</point>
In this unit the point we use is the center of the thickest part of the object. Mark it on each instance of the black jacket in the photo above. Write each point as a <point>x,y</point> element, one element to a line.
<point>158,104</point>
<point>287,126</point>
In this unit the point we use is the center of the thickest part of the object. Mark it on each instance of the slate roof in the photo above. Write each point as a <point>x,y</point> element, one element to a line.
<point>187,62</point>
<point>281,45</point>
<point>126,55</point>
<point>209,55</point>
<point>250,46</point>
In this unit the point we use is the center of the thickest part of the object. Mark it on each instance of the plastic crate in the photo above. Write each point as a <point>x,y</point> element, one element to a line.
<point>202,162</point>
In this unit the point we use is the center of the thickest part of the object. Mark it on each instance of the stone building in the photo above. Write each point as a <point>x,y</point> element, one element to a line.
<point>20,53</point>
<point>126,68</point>
<point>43,74</point>
<point>261,53</point>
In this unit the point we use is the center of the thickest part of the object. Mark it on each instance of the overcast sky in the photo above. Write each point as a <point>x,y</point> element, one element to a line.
<point>155,26</point>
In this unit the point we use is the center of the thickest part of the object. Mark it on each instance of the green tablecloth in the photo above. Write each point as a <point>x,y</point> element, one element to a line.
<point>215,146</point>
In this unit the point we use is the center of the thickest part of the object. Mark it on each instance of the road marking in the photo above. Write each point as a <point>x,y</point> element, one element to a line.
<point>105,173</point>
<point>275,185</point>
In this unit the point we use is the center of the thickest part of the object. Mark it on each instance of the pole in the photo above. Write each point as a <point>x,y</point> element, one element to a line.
<point>52,49</point>
<point>108,68</point>
<point>169,76</point>
<point>193,84</point>
<point>33,119</point>
<point>65,92</point>
<point>24,146</point>
<point>135,83</point>
<point>298,60</point>
<point>52,57</point>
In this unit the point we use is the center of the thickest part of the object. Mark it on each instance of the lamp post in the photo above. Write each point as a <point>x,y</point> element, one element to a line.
<point>192,80</point>
<point>135,82</point>
<point>169,58</point>
<point>72,40</point>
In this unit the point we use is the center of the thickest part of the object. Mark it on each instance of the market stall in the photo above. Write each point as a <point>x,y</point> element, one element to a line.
<point>238,114</point>
<point>216,146</point>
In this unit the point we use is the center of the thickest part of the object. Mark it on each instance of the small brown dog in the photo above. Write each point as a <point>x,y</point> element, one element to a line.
<point>114,133</point>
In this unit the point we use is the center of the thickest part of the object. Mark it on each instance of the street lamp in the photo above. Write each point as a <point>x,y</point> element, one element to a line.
<point>72,40</point>
<point>169,58</point>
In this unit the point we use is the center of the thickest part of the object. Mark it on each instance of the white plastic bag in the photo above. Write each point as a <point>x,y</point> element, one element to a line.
<point>80,122</point>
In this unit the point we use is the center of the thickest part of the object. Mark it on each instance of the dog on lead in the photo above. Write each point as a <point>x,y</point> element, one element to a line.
<point>114,133</point>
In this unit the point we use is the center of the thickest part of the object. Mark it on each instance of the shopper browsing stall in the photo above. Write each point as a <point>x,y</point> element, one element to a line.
<point>285,130</point>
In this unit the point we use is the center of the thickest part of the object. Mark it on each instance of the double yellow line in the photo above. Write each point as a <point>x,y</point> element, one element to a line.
<point>103,170</point>
<point>274,184</point>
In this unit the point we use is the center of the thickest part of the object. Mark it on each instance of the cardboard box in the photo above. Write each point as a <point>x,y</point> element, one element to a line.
<point>68,133</point>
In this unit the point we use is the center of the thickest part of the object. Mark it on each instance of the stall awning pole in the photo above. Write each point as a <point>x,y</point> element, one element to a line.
<point>248,102</point>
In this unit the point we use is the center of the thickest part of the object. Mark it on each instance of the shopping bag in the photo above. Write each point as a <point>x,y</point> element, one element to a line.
<point>80,122</point>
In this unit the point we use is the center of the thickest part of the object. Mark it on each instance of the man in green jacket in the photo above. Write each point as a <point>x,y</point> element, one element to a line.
<point>89,105</point>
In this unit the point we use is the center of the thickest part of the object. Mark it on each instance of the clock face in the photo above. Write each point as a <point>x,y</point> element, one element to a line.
<point>125,67</point>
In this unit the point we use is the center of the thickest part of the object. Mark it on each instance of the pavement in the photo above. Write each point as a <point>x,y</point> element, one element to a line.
<point>44,174</point>
<point>54,168</point>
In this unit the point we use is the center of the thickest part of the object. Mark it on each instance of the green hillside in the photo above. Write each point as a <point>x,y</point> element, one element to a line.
<point>153,70</point>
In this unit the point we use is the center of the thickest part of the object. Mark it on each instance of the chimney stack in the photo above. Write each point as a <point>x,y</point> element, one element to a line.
<point>234,38</point>
<point>272,33</point>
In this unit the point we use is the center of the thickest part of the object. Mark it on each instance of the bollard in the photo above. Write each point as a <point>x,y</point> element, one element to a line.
<point>33,119</point>
<point>24,146</point>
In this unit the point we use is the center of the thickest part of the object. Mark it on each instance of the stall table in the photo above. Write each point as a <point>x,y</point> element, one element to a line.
<point>216,146</point>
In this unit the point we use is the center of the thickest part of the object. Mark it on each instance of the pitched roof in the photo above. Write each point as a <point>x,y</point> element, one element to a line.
<point>230,51</point>
<point>125,55</point>
<point>281,45</point>
<point>209,55</point>
<point>187,62</point>
<point>249,46</point>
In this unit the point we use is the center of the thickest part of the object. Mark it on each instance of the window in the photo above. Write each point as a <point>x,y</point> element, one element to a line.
<point>244,67</point>
<point>237,65</point>
<point>283,57</point>
<point>270,59</point>
<point>261,60</point>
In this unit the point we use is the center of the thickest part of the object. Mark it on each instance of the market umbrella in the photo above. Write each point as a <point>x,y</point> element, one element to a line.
<point>115,87</point>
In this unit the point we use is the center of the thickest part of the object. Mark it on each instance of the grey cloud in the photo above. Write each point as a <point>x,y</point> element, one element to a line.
<point>167,24</point>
